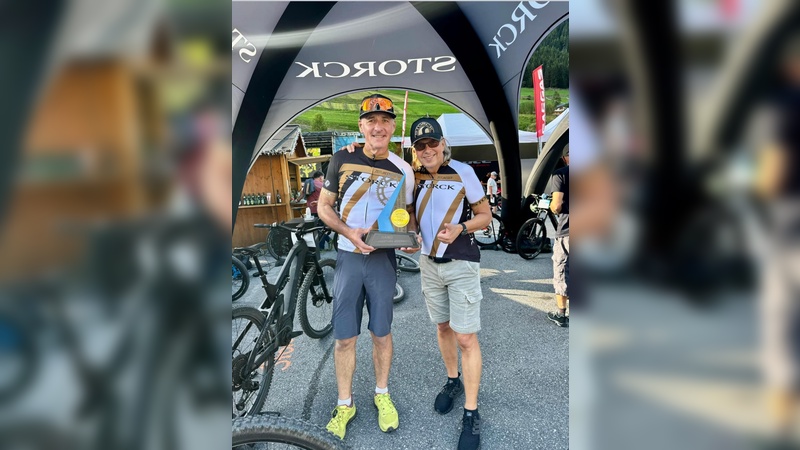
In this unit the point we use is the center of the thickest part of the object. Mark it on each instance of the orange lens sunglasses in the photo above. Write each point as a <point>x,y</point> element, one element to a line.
<point>383,104</point>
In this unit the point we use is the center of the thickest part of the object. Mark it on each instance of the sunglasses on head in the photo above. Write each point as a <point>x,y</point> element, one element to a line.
<point>420,146</point>
<point>376,104</point>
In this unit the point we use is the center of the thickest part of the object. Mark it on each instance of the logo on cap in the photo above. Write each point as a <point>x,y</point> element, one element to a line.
<point>425,128</point>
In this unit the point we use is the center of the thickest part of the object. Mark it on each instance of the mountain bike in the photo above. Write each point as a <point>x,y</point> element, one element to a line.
<point>303,284</point>
<point>240,279</point>
<point>265,429</point>
<point>128,396</point>
<point>491,234</point>
<point>406,263</point>
<point>532,236</point>
<point>279,240</point>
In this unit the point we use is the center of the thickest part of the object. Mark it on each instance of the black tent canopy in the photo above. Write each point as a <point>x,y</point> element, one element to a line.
<point>290,56</point>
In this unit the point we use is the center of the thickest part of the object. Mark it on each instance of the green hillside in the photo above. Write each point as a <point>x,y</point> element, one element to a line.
<point>553,98</point>
<point>341,113</point>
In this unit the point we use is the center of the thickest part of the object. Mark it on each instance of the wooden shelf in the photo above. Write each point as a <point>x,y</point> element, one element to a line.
<point>262,206</point>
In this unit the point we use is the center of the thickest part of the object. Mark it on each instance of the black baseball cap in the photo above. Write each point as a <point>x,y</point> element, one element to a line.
<point>425,128</point>
<point>376,103</point>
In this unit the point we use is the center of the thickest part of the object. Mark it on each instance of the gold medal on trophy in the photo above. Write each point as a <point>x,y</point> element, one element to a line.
<point>392,222</point>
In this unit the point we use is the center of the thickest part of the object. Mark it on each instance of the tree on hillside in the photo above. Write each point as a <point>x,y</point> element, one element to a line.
<point>553,55</point>
<point>318,124</point>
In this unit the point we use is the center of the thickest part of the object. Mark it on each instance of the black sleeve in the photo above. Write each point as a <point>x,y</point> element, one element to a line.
<point>332,177</point>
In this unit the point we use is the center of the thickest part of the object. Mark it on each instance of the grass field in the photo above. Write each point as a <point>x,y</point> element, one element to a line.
<point>341,113</point>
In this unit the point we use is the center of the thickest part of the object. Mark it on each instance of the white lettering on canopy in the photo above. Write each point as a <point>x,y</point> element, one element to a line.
<point>518,17</point>
<point>249,49</point>
<point>389,68</point>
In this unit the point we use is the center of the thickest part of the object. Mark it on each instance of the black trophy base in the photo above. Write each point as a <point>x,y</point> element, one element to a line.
<point>385,239</point>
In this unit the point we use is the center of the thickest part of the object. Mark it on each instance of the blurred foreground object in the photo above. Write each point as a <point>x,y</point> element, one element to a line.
<point>112,236</point>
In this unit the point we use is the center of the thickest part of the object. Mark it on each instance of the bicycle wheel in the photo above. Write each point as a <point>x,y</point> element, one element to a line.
<point>531,238</point>
<point>249,432</point>
<point>250,384</point>
<point>315,311</point>
<point>279,242</point>
<point>406,263</point>
<point>399,293</point>
<point>240,279</point>
<point>18,357</point>
<point>491,234</point>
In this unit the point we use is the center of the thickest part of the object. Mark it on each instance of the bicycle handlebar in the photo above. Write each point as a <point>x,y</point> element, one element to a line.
<point>301,231</point>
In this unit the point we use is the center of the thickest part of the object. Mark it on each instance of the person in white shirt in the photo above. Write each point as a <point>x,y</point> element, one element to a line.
<point>491,191</point>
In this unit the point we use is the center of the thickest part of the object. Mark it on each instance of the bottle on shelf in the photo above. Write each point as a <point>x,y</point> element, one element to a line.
<point>278,197</point>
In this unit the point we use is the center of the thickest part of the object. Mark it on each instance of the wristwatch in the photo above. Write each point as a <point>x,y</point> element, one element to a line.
<point>464,231</point>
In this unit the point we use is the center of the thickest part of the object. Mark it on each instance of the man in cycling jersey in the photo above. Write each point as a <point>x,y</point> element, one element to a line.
<point>450,206</point>
<point>362,182</point>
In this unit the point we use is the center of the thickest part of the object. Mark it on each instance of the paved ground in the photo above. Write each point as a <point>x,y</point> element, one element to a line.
<point>524,391</point>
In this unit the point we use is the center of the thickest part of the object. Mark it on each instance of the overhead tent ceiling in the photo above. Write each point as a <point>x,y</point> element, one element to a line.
<point>290,56</point>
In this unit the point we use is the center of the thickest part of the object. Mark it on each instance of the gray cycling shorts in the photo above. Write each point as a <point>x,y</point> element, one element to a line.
<point>358,278</point>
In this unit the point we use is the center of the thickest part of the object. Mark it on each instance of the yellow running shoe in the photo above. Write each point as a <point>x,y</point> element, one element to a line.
<point>388,419</point>
<point>340,417</point>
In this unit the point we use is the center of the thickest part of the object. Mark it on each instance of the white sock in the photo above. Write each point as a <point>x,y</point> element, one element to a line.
<point>345,402</point>
<point>381,390</point>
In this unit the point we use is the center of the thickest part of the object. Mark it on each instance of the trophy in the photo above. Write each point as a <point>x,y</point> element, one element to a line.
<point>392,222</point>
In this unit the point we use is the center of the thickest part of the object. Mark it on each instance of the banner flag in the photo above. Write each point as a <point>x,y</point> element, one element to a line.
<point>538,95</point>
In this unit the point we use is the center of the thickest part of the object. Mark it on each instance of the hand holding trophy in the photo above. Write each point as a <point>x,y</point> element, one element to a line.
<point>392,229</point>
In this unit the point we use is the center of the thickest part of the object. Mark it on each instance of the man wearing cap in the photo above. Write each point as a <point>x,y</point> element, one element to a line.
<point>450,206</point>
<point>362,182</point>
<point>559,187</point>
<point>491,190</point>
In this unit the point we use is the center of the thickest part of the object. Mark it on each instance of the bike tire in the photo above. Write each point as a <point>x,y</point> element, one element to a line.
<point>399,293</point>
<point>531,238</point>
<point>268,428</point>
<point>249,402</point>
<point>406,263</point>
<point>239,285</point>
<point>490,235</point>
<point>279,242</point>
<point>314,311</point>
<point>20,357</point>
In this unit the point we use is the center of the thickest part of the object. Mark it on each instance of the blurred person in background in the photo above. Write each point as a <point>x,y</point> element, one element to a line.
<point>491,190</point>
<point>559,188</point>
<point>778,185</point>
<point>314,185</point>
<point>312,198</point>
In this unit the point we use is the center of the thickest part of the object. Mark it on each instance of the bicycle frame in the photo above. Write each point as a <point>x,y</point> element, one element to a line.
<point>281,315</point>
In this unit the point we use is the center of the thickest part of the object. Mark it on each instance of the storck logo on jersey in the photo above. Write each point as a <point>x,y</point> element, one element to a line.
<point>382,181</point>
<point>446,187</point>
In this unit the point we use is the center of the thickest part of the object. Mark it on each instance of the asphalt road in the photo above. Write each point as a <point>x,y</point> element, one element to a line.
<point>524,396</point>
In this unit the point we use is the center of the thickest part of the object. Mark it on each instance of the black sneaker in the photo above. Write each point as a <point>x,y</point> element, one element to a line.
<point>470,431</point>
<point>444,401</point>
<point>558,319</point>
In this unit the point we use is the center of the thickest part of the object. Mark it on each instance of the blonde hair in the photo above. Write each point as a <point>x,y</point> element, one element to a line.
<point>447,153</point>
